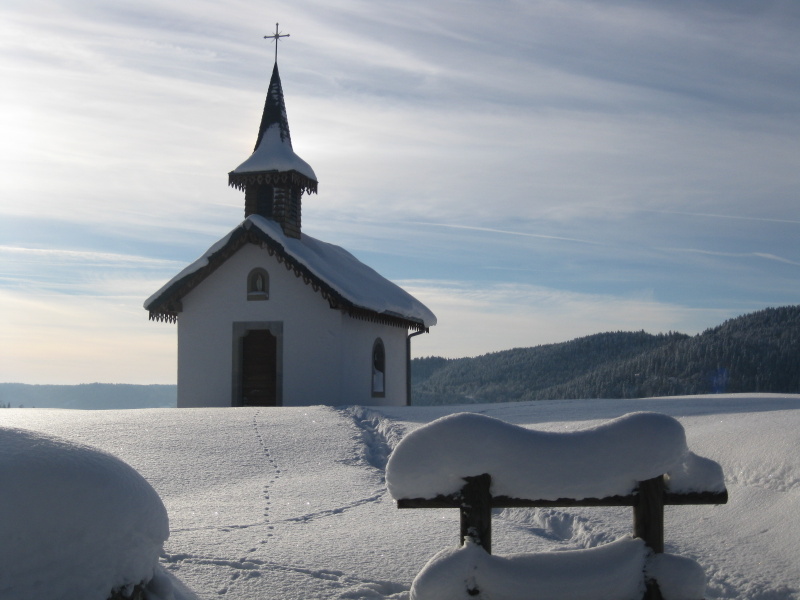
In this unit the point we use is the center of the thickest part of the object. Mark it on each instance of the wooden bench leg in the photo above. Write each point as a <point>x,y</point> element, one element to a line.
<point>652,592</point>
<point>648,523</point>
<point>476,511</point>
<point>648,513</point>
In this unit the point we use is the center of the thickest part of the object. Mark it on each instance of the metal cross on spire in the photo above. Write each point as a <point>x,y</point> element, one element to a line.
<point>276,36</point>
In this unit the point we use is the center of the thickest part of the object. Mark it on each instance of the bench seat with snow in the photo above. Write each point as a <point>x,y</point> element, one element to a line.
<point>477,463</point>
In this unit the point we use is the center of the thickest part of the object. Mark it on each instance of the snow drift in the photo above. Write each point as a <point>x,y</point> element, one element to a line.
<point>75,522</point>
<point>291,504</point>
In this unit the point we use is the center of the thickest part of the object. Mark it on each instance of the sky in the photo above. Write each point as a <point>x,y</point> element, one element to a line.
<point>533,171</point>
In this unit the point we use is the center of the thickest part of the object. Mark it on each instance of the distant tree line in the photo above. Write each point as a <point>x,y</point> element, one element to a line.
<point>758,352</point>
<point>87,396</point>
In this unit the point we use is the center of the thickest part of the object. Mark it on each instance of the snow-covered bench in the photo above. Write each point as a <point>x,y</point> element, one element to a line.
<point>476,463</point>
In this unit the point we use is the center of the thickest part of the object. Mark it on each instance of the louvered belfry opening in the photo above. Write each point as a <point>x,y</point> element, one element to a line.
<point>258,199</point>
<point>274,178</point>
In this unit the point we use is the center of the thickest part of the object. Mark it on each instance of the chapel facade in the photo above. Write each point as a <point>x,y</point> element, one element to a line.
<point>269,316</point>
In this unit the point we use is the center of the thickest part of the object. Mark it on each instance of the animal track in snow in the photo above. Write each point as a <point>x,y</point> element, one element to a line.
<point>339,510</point>
<point>272,466</point>
<point>246,568</point>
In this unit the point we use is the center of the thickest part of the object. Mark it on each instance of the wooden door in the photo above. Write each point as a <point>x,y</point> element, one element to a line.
<point>259,368</point>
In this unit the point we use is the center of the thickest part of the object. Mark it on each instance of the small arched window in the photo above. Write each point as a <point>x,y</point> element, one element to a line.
<point>258,285</point>
<point>378,369</point>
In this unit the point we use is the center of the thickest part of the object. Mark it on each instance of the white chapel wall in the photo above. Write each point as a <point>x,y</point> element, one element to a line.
<point>326,356</point>
<point>356,361</point>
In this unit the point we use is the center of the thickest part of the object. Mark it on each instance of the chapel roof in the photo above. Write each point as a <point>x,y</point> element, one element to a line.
<point>338,276</point>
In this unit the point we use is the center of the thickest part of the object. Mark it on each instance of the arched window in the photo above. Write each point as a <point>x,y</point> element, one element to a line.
<point>378,369</point>
<point>258,285</point>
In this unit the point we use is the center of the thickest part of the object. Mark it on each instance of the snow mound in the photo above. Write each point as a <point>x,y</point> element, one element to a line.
<point>606,460</point>
<point>678,577</point>
<point>613,571</point>
<point>76,522</point>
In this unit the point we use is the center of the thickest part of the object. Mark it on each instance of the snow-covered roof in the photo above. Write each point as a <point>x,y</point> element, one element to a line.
<point>602,461</point>
<point>342,279</point>
<point>275,154</point>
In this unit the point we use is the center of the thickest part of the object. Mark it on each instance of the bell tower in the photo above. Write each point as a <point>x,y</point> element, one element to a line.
<point>274,178</point>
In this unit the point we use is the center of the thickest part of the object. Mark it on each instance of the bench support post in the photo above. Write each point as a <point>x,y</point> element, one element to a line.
<point>476,511</point>
<point>648,523</point>
<point>648,513</point>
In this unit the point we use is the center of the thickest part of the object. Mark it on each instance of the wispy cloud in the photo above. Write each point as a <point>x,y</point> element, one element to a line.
<point>507,232</point>
<point>82,257</point>
<point>46,275</point>
<point>66,339</point>
<point>568,148</point>
<point>490,318</point>
<point>728,216</point>
<point>760,255</point>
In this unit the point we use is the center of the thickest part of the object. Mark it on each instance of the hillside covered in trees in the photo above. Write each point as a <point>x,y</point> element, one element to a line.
<point>758,352</point>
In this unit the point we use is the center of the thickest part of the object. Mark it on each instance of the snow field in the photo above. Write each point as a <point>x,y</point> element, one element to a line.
<point>291,503</point>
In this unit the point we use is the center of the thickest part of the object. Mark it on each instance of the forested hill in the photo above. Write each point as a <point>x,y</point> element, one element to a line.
<point>758,352</point>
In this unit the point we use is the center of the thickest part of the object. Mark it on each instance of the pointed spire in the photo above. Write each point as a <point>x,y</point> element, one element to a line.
<point>274,110</point>
<point>274,178</point>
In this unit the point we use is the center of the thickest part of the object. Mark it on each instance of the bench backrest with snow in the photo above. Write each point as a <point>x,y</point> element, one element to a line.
<point>477,463</point>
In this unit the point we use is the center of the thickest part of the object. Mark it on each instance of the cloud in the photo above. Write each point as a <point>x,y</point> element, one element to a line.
<point>45,273</point>
<point>475,320</point>
<point>761,255</point>
<point>507,232</point>
<point>754,218</point>
<point>67,339</point>
<point>87,258</point>
<point>565,147</point>
<point>144,112</point>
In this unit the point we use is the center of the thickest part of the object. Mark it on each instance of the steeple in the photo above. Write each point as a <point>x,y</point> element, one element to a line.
<point>274,177</point>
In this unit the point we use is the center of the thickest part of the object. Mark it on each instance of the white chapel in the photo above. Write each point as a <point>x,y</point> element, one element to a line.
<point>269,316</point>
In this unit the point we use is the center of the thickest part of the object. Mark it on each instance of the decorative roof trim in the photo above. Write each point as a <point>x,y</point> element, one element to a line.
<point>166,307</point>
<point>278,178</point>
